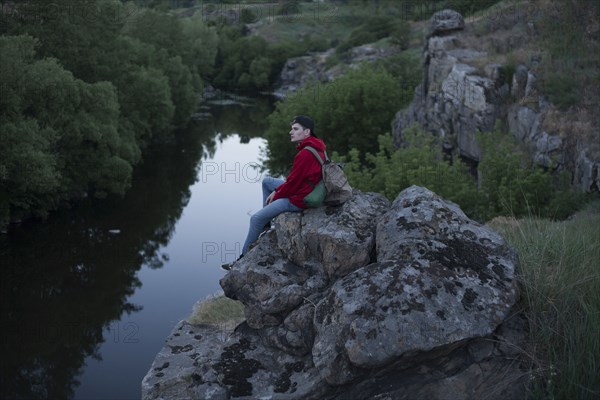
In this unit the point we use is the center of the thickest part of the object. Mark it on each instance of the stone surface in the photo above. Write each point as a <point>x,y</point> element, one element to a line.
<point>420,316</point>
<point>477,370</point>
<point>445,21</point>
<point>458,98</point>
<point>179,370</point>
<point>269,285</point>
<point>441,278</point>
<point>207,362</point>
<point>335,240</point>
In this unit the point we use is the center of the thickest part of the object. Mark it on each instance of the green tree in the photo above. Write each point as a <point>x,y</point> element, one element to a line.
<point>349,112</point>
<point>85,87</point>
<point>145,99</point>
<point>76,33</point>
<point>59,135</point>
<point>203,41</point>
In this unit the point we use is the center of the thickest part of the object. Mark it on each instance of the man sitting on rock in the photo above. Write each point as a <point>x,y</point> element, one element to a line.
<point>288,195</point>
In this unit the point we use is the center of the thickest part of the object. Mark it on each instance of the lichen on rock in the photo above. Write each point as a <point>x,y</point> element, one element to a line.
<point>423,284</point>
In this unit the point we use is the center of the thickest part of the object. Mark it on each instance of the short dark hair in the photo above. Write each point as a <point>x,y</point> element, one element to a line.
<point>306,122</point>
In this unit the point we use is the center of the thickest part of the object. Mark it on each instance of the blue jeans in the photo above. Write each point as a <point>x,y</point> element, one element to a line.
<point>268,212</point>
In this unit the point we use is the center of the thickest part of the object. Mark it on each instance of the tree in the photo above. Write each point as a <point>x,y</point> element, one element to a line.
<point>350,112</point>
<point>59,135</point>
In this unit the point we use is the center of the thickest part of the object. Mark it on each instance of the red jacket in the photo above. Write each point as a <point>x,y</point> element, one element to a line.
<point>305,169</point>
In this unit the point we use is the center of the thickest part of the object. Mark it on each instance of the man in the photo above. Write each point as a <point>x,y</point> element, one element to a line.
<point>288,196</point>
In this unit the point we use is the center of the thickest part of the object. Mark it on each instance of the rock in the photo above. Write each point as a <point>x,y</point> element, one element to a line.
<point>415,311</point>
<point>335,240</point>
<point>523,122</point>
<point>519,82</point>
<point>460,96</point>
<point>453,101</point>
<point>477,370</point>
<point>440,278</point>
<point>446,21</point>
<point>180,364</point>
<point>587,172</point>
<point>206,362</point>
<point>299,71</point>
<point>268,284</point>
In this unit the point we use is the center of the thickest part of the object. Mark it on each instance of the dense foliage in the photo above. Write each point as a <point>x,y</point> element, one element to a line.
<point>510,183</point>
<point>249,63</point>
<point>350,111</point>
<point>86,86</point>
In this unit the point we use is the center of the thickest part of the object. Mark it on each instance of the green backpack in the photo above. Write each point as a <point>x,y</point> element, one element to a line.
<point>333,189</point>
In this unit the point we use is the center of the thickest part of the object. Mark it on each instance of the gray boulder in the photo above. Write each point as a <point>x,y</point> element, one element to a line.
<point>446,21</point>
<point>268,284</point>
<point>334,240</point>
<point>208,362</point>
<point>440,278</point>
<point>359,301</point>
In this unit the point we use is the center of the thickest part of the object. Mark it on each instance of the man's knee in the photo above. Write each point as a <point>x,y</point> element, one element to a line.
<point>256,219</point>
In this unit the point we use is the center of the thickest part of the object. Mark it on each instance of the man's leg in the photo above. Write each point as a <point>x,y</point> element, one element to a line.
<point>269,184</point>
<point>264,216</point>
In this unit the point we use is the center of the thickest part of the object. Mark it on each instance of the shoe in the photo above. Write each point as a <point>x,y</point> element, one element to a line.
<point>228,266</point>
<point>265,230</point>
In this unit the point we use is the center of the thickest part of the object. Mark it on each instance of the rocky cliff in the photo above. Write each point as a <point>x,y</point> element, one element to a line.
<point>369,300</point>
<point>297,72</point>
<point>462,93</point>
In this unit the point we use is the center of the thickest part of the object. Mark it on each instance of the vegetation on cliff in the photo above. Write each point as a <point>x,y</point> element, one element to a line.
<point>509,183</point>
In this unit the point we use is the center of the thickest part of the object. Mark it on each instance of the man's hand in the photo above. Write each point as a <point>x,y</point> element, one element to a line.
<point>270,198</point>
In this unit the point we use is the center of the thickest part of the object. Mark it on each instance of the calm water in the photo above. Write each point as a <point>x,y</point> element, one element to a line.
<point>89,296</point>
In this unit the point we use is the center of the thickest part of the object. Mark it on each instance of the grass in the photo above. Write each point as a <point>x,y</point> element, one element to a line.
<point>560,279</point>
<point>217,310</point>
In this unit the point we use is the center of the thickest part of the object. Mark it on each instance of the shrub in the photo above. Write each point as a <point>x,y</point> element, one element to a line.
<point>400,35</point>
<point>511,184</point>
<point>562,90</point>
<point>390,170</point>
<point>371,30</point>
<point>349,112</point>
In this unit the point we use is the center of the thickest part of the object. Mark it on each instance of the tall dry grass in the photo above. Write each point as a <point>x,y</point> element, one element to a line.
<point>560,278</point>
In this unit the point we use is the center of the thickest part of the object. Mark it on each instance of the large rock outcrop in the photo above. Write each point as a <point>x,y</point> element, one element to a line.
<point>297,72</point>
<point>420,308</point>
<point>464,92</point>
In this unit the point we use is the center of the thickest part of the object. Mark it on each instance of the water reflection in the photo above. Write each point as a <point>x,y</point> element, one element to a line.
<point>66,281</point>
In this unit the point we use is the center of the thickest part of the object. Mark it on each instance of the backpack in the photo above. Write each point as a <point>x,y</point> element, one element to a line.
<point>333,189</point>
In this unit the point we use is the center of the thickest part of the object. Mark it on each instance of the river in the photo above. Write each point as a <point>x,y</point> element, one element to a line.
<point>89,295</point>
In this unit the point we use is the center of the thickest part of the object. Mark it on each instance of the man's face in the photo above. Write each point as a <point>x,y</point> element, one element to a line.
<point>298,133</point>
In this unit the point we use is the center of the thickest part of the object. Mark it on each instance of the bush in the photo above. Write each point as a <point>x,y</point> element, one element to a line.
<point>511,184</point>
<point>400,35</point>
<point>372,30</point>
<point>349,112</point>
<point>391,170</point>
<point>562,90</point>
